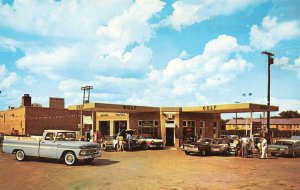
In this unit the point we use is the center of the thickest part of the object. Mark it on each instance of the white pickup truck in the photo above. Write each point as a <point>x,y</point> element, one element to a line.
<point>57,144</point>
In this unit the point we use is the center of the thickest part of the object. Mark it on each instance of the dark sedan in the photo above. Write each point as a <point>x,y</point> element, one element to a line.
<point>220,146</point>
<point>285,147</point>
<point>201,147</point>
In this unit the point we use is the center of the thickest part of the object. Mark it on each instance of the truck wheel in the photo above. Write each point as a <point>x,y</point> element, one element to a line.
<point>20,155</point>
<point>187,153</point>
<point>203,152</point>
<point>70,159</point>
<point>89,160</point>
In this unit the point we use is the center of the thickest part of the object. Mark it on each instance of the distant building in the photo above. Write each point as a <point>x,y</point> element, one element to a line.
<point>279,127</point>
<point>56,103</point>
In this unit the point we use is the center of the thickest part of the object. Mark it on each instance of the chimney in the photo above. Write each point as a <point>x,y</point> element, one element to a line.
<point>26,100</point>
<point>57,103</point>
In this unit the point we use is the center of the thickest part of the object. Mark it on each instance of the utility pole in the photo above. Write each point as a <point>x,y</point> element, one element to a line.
<point>270,62</point>
<point>236,120</point>
<point>86,99</point>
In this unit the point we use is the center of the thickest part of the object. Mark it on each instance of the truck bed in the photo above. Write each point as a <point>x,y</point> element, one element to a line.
<point>30,146</point>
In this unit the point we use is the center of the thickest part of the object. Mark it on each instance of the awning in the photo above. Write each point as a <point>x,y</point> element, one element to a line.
<point>221,108</point>
<point>231,108</point>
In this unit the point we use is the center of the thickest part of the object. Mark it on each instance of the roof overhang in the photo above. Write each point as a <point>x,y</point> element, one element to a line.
<point>221,108</point>
<point>231,108</point>
<point>102,107</point>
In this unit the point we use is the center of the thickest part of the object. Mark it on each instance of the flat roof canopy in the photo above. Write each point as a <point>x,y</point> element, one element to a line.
<point>231,108</point>
<point>221,108</point>
<point>102,107</point>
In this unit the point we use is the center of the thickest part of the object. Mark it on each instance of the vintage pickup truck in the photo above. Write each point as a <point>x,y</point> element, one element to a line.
<point>57,144</point>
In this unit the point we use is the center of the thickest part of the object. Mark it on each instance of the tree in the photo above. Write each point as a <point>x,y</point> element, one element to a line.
<point>289,114</point>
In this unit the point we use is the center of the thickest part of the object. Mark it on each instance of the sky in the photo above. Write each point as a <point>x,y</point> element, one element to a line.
<point>150,52</point>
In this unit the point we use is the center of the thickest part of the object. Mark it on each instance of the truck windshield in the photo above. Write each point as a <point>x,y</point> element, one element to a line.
<point>66,136</point>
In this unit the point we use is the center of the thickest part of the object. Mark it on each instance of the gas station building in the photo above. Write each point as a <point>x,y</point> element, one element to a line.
<point>172,124</point>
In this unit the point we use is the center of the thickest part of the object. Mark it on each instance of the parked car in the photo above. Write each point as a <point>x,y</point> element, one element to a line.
<point>149,142</point>
<point>135,143</point>
<point>57,144</point>
<point>220,146</point>
<point>201,147</point>
<point>285,147</point>
<point>108,143</point>
<point>186,141</point>
<point>1,137</point>
<point>295,137</point>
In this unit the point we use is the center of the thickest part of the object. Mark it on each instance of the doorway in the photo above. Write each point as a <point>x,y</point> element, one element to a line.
<point>104,127</point>
<point>119,126</point>
<point>170,137</point>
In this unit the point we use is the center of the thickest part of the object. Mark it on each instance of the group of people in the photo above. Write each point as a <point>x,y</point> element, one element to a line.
<point>245,147</point>
<point>121,142</point>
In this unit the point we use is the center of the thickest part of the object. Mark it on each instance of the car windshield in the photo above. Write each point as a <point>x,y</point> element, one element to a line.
<point>146,136</point>
<point>285,143</point>
<point>204,141</point>
<point>66,136</point>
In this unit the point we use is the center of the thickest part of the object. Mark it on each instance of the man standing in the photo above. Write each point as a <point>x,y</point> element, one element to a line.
<point>128,138</point>
<point>264,146</point>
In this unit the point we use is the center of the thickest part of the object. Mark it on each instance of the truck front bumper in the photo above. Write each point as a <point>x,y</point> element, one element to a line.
<point>89,156</point>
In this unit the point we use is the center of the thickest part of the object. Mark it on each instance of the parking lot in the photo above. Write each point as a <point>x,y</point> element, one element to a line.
<point>152,169</point>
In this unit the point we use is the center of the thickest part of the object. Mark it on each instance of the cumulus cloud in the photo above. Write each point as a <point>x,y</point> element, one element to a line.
<point>297,65</point>
<point>135,62</point>
<point>182,79</point>
<point>272,32</point>
<point>189,12</point>
<point>100,36</point>
<point>8,44</point>
<point>219,63</point>
<point>70,19</point>
<point>133,25</point>
<point>284,63</point>
<point>6,78</point>
<point>46,63</point>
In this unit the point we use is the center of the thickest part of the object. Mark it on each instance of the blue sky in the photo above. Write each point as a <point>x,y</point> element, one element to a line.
<point>155,53</point>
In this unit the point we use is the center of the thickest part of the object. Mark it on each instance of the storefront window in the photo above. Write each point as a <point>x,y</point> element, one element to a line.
<point>148,127</point>
<point>188,129</point>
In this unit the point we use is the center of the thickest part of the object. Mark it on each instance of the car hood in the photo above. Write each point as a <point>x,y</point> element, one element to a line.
<point>218,145</point>
<point>275,146</point>
<point>154,140</point>
<point>77,144</point>
<point>197,144</point>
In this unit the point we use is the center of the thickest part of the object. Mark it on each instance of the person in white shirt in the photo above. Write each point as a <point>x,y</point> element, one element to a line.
<point>264,146</point>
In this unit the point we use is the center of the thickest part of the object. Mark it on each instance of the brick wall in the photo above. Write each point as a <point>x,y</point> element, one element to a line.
<point>39,119</point>
<point>135,117</point>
